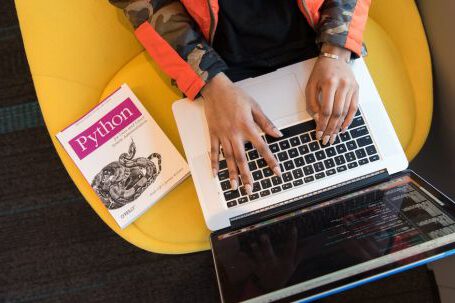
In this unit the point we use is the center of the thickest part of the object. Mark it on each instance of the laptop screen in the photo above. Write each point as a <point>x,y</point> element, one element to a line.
<point>335,243</point>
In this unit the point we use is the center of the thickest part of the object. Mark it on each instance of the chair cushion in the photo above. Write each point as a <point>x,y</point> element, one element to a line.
<point>176,221</point>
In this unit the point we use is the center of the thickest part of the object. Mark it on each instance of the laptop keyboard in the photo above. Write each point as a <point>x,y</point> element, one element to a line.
<point>302,159</point>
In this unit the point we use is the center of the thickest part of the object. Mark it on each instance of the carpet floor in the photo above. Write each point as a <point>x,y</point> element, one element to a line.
<point>54,248</point>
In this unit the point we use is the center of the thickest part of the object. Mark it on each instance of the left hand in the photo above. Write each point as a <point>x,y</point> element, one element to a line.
<point>334,81</point>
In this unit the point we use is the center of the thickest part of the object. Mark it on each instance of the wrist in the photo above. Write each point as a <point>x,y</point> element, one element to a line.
<point>341,52</point>
<point>214,85</point>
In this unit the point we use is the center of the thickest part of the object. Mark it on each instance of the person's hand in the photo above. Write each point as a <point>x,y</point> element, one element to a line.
<point>333,82</point>
<point>232,116</point>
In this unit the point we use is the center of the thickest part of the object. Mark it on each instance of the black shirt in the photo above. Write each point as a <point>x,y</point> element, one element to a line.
<point>258,36</point>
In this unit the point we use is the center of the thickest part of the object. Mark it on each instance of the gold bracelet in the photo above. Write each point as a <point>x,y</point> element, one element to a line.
<point>332,56</point>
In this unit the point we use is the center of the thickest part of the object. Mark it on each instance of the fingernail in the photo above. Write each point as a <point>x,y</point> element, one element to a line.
<point>234,184</point>
<point>214,172</point>
<point>333,138</point>
<point>319,135</point>
<point>277,170</point>
<point>325,140</point>
<point>344,130</point>
<point>248,189</point>
<point>277,132</point>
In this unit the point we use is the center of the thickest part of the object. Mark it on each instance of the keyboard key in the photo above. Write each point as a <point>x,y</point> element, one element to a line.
<point>275,189</point>
<point>297,173</point>
<point>274,148</point>
<point>351,145</point>
<point>299,161</point>
<point>309,179</point>
<point>256,187</point>
<point>358,132</point>
<point>288,165</point>
<point>231,204</point>
<point>310,158</point>
<point>286,186</point>
<point>329,163</point>
<point>225,185</point>
<point>330,172</point>
<point>314,146</point>
<point>266,183</point>
<point>223,175</point>
<point>242,191</point>
<point>308,170</point>
<point>344,137</point>
<point>265,193</point>
<point>303,149</point>
<point>283,156</point>
<point>330,151</point>
<point>350,156</point>
<point>222,164</point>
<point>253,197</point>
<point>341,148</point>
<point>318,166</point>
<point>267,172</point>
<point>320,155</point>
<point>257,175</point>
<point>276,180</point>
<point>231,194</point>
<point>341,168</point>
<point>252,166</point>
<point>305,138</point>
<point>242,200</point>
<point>287,177</point>
<point>261,163</point>
<point>364,141</point>
<point>294,141</point>
<point>374,158</point>
<point>320,175</point>
<point>297,182</point>
<point>360,153</point>
<point>284,144</point>
<point>352,165</point>
<point>371,150</point>
<point>293,152</point>
<point>339,160</point>
<point>357,113</point>
<point>357,121</point>
<point>363,161</point>
<point>252,155</point>
<point>248,146</point>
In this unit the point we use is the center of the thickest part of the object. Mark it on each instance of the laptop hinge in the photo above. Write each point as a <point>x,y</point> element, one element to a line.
<point>309,199</point>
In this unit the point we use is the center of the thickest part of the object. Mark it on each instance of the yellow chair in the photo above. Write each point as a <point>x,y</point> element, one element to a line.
<point>80,51</point>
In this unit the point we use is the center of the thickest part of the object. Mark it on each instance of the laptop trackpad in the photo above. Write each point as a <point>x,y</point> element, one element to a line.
<point>278,104</point>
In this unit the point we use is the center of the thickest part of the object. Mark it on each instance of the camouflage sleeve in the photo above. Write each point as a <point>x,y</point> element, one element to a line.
<point>172,22</point>
<point>336,18</point>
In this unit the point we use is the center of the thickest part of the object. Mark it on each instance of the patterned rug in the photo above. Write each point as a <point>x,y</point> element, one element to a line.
<point>54,248</point>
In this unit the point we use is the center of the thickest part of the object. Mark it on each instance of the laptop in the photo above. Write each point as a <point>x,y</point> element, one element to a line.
<point>341,214</point>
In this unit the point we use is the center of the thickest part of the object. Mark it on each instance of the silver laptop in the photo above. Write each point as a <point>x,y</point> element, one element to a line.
<point>339,216</point>
<point>369,147</point>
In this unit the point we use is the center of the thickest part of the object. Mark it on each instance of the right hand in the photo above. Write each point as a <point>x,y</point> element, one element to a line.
<point>232,116</point>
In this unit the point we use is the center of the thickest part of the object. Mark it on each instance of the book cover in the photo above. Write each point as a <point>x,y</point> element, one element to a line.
<point>124,155</point>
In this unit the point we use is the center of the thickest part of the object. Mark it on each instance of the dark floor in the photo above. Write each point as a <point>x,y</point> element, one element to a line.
<point>53,247</point>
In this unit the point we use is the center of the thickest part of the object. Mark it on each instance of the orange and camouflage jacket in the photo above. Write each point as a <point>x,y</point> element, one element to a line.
<point>178,34</point>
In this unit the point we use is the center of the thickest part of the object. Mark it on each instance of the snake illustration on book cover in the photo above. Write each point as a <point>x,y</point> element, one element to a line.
<point>121,182</point>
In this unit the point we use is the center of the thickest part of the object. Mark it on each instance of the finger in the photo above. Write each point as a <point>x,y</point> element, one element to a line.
<point>346,106</point>
<point>311,94</point>
<point>328,95</point>
<point>242,164</point>
<point>337,110</point>
<point>353,106</point>
<point>264,123</point>
<point>230,161</point>
<point>214,154</point>
<point>265,152</point>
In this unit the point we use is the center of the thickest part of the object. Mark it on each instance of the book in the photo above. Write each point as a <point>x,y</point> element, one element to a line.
<point>124,155</point>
